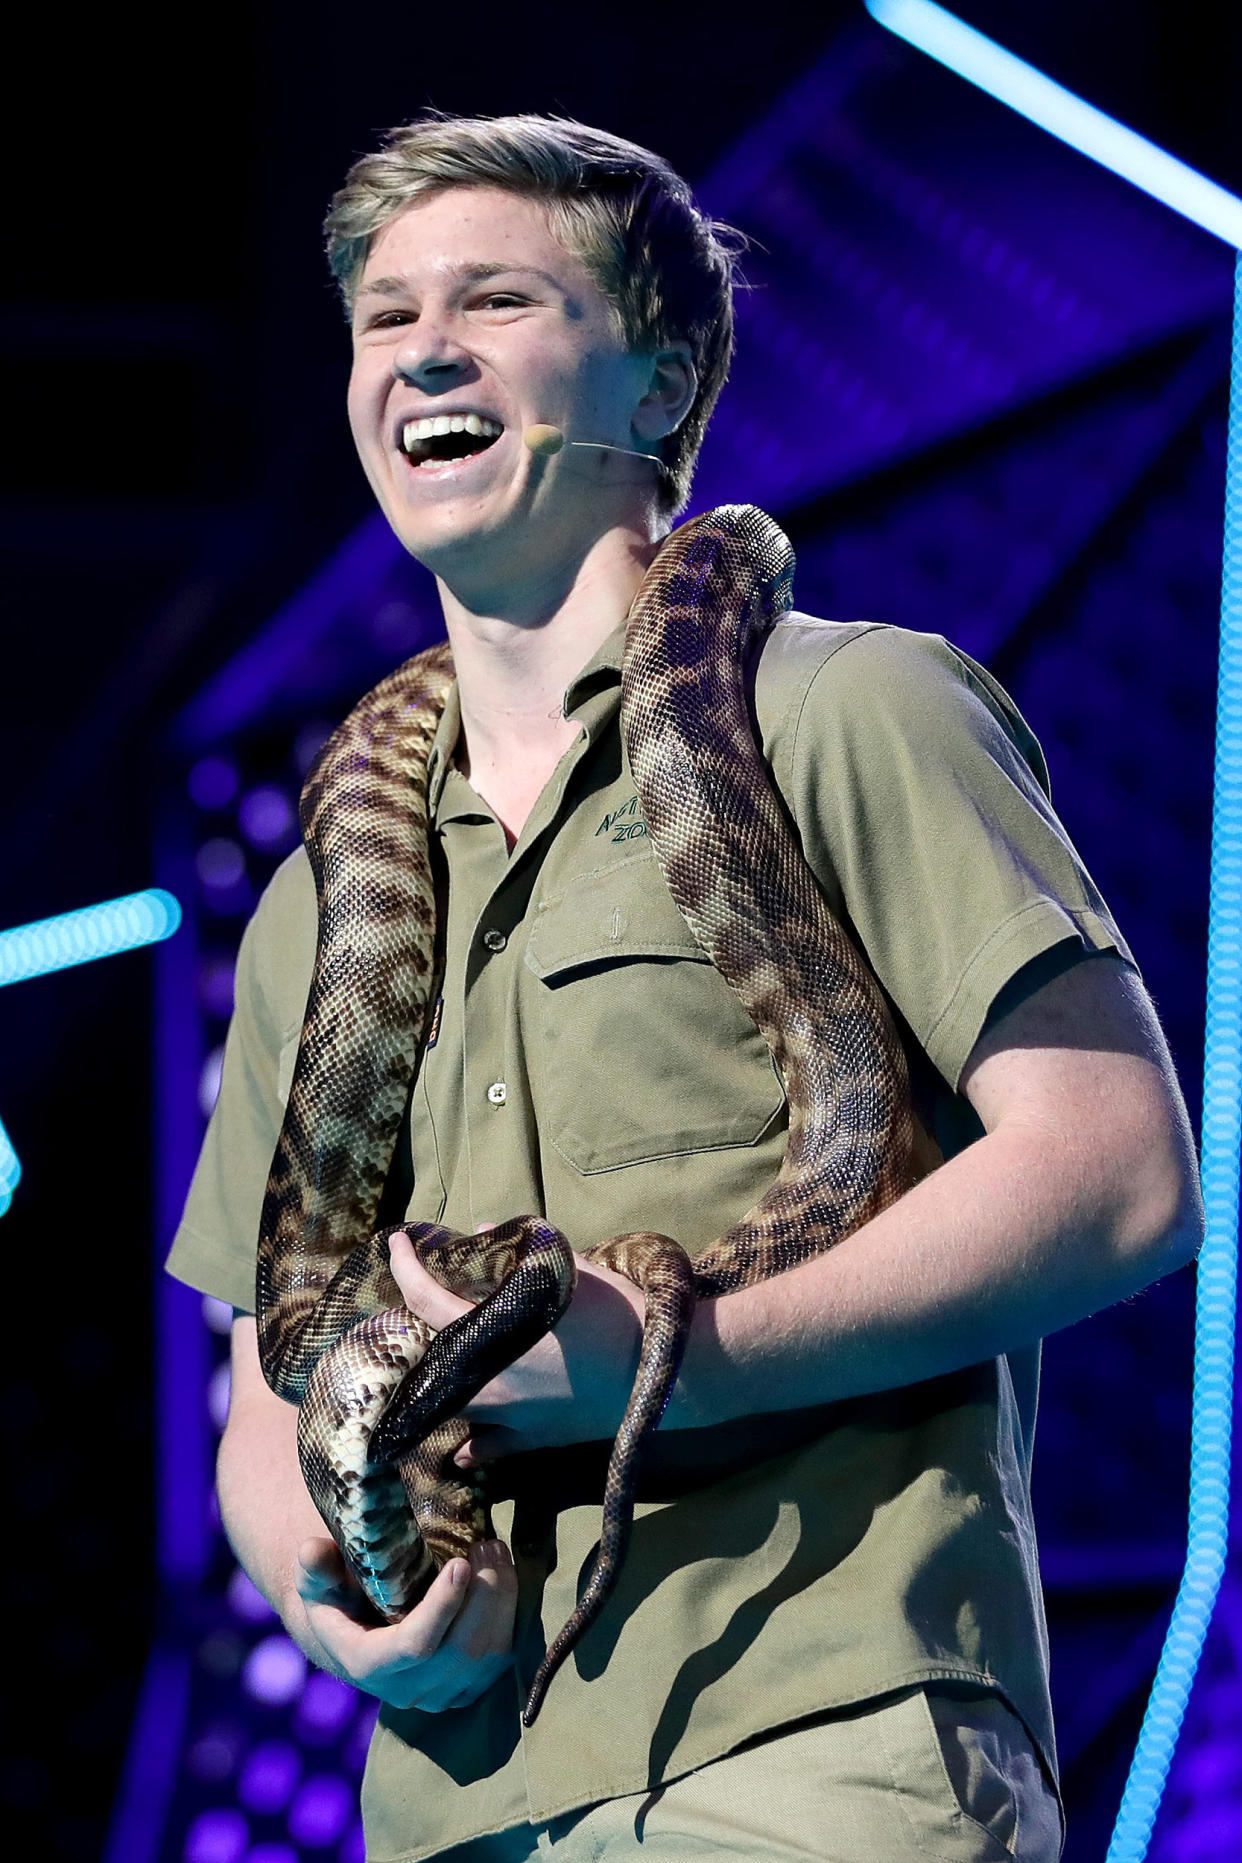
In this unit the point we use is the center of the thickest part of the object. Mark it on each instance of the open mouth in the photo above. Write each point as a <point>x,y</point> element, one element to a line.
<point>441,438</point>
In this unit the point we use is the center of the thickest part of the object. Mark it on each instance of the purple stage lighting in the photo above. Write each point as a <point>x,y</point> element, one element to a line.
<point>217,1837</point>
<point>213,1758</point>
<point>212,782</point>
<point>270,1776</point>
<point>248,1603</point>
<point>209,1081</point>
<point>322,1810</point>
<point>267,818</point>
<point>221,864</point>
<point>274,1671</point>
<point>325,1707</point>
<point>354,1848</point>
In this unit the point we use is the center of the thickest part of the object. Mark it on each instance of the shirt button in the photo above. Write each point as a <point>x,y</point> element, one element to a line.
<point>498,1093</point>
<point>494,940</point>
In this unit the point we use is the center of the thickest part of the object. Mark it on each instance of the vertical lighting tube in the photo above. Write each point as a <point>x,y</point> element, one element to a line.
<point>10,1170</point>
<point>1216,1297</point>
<point>944,37</point>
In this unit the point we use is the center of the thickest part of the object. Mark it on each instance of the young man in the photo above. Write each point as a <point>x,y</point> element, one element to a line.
<point>828,1638</point>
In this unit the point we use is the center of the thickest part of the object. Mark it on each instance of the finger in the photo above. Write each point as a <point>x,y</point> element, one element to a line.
<point>321,1571</point>
<point>328,1589</point>
<point>370,1652</point>
<point>486,1444</point>
<point>421,1632</point>
<point>422,1294</point>
<point>484,1626</point>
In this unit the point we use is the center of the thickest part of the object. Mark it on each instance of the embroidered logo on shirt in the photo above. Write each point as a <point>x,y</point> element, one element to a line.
<point>434,1032</point>
<point>623,824</point>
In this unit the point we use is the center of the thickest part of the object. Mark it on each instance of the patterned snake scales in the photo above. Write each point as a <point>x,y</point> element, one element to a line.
<point>380,1393</point>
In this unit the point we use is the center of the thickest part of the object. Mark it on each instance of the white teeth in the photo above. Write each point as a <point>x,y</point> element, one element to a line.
<point>432,425</point>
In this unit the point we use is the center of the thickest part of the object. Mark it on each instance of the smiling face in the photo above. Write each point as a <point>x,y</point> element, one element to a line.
<point>470,312</point>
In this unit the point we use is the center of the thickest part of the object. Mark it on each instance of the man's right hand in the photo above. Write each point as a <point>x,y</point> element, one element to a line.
<point>444,1653</point>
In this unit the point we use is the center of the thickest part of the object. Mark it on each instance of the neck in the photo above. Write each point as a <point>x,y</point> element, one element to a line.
<point>516,653</point>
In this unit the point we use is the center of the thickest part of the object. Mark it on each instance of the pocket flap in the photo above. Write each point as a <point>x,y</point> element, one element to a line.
<point>623,911</point>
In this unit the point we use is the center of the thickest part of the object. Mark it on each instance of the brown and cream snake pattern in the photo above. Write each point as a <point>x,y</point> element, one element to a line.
<point>379,1393</point>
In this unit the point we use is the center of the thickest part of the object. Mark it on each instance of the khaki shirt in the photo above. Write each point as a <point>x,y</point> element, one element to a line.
<point>589,1064</point>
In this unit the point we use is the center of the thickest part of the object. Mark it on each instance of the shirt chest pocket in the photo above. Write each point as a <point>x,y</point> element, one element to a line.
<point>642,1050</point>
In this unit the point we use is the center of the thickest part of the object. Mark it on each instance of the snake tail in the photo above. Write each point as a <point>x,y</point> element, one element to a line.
<point>662,1269</point>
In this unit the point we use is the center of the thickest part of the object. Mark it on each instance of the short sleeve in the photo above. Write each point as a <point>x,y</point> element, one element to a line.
<point>214,1247</point>
<point>923,802</point>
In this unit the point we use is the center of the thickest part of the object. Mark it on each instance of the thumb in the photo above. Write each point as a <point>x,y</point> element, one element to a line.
<point>322,1572</point>
<point>419,1289</point>
<point>485,1444</point>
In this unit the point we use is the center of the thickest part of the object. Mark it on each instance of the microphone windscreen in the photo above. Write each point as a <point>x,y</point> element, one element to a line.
<point>543,440</point>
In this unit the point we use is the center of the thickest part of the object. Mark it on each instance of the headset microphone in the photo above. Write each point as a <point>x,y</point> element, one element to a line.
<point>543,441</point>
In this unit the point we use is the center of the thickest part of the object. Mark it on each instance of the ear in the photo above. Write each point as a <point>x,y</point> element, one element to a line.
<point>671,387</point>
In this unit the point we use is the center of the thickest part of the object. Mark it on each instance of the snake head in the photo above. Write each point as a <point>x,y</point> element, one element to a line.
<point>468,1353</point>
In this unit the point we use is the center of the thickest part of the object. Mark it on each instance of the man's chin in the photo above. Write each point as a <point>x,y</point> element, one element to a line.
<point>447,539</point>
<point>439,518</point>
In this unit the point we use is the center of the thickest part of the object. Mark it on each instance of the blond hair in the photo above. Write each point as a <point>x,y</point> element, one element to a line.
<point>667,269</point>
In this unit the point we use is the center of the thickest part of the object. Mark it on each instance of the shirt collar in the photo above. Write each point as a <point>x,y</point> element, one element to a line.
<point>443,744</point>
<point>602,670</point>
<point>601,673</point>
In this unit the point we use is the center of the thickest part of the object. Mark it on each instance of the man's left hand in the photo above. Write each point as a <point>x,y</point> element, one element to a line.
<point>571,1387</point>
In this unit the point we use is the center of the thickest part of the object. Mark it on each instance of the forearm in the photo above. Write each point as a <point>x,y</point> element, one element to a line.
<point>265,1508</point>
<point>448,1648</point>
<point>1017,1236</point>
<point>267,1513</point>
<point>1083,1190</point>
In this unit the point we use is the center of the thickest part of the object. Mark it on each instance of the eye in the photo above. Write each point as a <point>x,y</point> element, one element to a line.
<point>378,323</point>
<point>502,300</point>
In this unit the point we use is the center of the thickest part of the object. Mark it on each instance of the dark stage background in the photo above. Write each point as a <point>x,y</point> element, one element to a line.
<point>982,385</point>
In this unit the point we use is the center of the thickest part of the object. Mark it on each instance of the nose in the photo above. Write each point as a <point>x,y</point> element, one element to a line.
<point>431,356</point>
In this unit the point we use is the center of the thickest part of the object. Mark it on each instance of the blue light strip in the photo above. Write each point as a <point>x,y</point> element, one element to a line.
<point>953,43</point>
<point>10,1171</point>
<point>78,938</point>
<point>81,937</point>
<point>1218,1260</point>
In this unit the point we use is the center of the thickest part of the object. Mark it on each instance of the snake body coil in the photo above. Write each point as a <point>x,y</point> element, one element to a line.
<point>379,1392</point>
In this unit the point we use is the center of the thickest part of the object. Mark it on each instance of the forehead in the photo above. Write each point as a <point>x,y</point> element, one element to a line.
<point>465,230</point>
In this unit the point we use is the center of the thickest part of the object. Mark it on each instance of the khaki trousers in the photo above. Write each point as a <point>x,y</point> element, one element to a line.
<point>935,1772</point>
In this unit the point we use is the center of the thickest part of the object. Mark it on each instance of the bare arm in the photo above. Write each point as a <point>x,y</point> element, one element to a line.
<point>450,1647</point>
<point>1082,1191</point>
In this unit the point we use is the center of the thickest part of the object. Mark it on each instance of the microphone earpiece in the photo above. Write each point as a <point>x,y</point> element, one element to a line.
<point>543,441</point>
